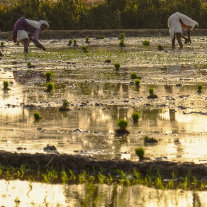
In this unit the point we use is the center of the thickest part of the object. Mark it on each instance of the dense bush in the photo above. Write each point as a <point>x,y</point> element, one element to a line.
<point>105,15</point>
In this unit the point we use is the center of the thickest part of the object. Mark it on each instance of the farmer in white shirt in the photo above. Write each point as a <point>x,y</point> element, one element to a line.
<point>178,22</point>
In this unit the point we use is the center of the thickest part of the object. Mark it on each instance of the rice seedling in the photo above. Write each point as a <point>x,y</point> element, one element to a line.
<point>70,42</point>
<point>65,106</point>
<point>2,44</point>
<point>199,88</point>
<point>50,87</point>
<point>117,66</point>
<point>133,76</point>
<point>75,43</point>
<point>52,174</point>
<point>64,176</point>
<point>151,93</point>
<point>137,83</point>
<point>29,65</point>
<point>87,40</point>
<point>101,178</point>
<point>122,124</point>
<point>121,36</point>
<point>158,182</point>
<point>160,47</point>
<point>122,43</point>
<point>37,116</point>
<point>140,153</point>
<point>146,43</point>
<point>85,49</point>
<point>6,85</point>
<point>148,140</point>
<point>99,37</point>
<point>109,179</point>
<point>135,117</point>
<point>48,75</point>
<point>82,177</point>
<point>72,176</point>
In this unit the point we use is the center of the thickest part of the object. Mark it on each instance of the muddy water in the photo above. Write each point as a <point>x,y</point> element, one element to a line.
<point>37,194</point>
<point>99,96</point>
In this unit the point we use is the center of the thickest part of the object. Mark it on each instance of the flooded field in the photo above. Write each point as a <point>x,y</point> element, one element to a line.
<point>36,194</point>
<point>98,97</point>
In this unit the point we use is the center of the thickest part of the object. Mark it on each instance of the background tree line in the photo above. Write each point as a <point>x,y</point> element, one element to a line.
<point>109,14</point>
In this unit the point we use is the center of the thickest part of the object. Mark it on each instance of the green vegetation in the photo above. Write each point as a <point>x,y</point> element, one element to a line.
<point>29,64</point>
<point>160,47</point>
<point>2,44</point>
<point>110,14</point>
<point>140,153</point>
<point>148,140</point>
<point>122,44</point>
<point>65,106</point>
<point>135,116</point>
<point>50,87</point>
<point>117,66</point>
<point>6,85</point>
<point>133,76</point>
<point>122,36</point>
<point>99,37</point>
<point>48,75</point>
<point>122,124</point>
<point>87,40</point>
<point>146,43</point>
<point>199,88</point>
<point>37,116</point>
<point>137,83</point>
<point>75,43</point>
<point>85,49</point>
<point>151,93</point>
<point>70,42</point>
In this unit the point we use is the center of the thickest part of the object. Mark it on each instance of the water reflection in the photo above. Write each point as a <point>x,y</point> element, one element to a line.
<point>22,193</point>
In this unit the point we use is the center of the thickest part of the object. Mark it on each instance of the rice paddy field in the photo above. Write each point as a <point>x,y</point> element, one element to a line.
<point>98,95</point>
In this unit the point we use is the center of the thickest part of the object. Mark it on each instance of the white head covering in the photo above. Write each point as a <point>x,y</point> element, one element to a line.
<point>37,24</point>
<point>174,23</point>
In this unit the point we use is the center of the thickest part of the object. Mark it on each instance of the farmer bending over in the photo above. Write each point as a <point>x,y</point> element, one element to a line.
<point>178,22</point>
<point>26,30</point>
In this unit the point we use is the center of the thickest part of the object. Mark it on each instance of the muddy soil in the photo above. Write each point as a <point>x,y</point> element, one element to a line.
<point>78,164</point>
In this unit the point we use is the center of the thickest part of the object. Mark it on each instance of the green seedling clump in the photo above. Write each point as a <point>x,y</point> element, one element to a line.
<point>151,93</point>
<point>65,106</point>
<point>85,49</point>
<point>122,44</point>
<point>122,36</point>
<point>148,140</point>
<point>87,40</point>
<point>117,66</point>
<point>137,83</point>
<point>48,75</point>
<point>160,47</point>
<point>146,43</point>
<point>70,42</point>
<point>122,124</point>
<point>75,43</point>
<point>29,65</point>
<point>37,116</point>
<point>50,87</point>
<point>2,44</point>
<point>199,88</point>
<point>140,153</point>
<point>99,37</point>
<point>135,116</point>
<point>6,85</point>
<point>133,76</point>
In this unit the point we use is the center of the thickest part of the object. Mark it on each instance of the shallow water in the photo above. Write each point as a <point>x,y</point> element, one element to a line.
<point>22,193</point>
<point>99,96</point>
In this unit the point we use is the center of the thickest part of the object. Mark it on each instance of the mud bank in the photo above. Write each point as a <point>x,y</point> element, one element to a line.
<point>64,34</point>
<point>78,164</point>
